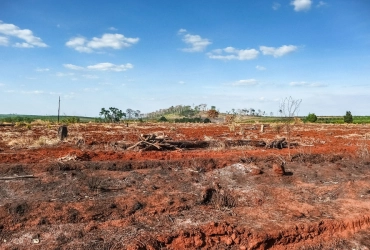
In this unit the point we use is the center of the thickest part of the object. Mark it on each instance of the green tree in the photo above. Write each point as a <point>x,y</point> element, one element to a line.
<point>112,114</point>
<point>348,117</point>
<point>311,117</point>
<point>130,113</point>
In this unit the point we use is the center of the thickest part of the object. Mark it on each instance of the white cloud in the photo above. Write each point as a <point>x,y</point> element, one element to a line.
<point>23,45</point>
<point>110,67</point>
<point>112,28</point>
<point>247,82</point>
<point>79,44</point>
<point>196,42</point>
<point>276,6</point>
<point>73,67</point>
<point>101,67</point>
<point>10,30</point>
<point>307,84</point>
<point>231,53</point>
<point>113,41</point>
<point>260,67</point>
<point>2,84</point>
<point>42,69</point>
<point>181,82</point>
<point>278,52</point>
<point>4,41</point>
<point>301,5</point>
<point>321,4</point>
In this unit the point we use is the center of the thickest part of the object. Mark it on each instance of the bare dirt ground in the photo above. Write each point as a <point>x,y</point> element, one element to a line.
<point>90,192</point>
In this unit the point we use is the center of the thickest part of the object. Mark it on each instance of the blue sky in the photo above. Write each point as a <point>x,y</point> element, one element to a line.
<point>149,55</point>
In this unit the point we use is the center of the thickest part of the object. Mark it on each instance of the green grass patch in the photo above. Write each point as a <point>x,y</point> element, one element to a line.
<point>13,118</point>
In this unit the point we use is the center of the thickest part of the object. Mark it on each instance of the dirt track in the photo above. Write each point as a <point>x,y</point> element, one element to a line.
<point>91,193</point>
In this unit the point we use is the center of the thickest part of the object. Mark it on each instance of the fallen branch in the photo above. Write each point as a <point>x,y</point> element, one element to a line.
<point>133,146</point>
<point>152,144</point>
<point>16,177</point>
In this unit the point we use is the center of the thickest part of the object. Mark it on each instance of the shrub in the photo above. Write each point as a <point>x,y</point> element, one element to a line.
<point>311,117</point>
<point>186,120</point>
<point>162,119</point>
<point>348,117</point>
<point>207,120</point>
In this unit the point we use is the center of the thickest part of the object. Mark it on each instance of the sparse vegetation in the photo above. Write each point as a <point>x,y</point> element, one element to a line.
<point>288,109</point>
<point>73,119</point>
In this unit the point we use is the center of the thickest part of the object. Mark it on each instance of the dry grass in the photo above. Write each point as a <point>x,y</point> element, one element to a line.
<point>23,142</point>
<point>29,142</point>
<point>41,122</point>
<point>363,151</point>
<point>277,127</point>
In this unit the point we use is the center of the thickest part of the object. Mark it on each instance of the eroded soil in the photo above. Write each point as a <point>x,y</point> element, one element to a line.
<point>89,192</point>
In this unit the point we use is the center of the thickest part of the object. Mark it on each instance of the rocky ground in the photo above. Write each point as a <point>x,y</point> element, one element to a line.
<point>90,192</point>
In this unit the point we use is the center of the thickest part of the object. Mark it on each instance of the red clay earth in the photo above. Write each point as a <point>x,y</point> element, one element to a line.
<point>89,192</point>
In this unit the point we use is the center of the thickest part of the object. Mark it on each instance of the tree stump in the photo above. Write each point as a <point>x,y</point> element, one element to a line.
<point>278,169</point>
<point>62,132</point>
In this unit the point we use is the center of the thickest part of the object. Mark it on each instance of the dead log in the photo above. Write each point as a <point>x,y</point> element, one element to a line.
<point>189,144</point>
<point>280,144</point>
<point>177,145</point>
<point>238,143</point>
<point>16,177</point>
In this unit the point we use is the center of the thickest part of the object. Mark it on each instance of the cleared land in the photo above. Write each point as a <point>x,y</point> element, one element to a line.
<point>91,192</point>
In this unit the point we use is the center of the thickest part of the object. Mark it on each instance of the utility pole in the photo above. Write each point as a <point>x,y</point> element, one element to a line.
<point>58,109</point>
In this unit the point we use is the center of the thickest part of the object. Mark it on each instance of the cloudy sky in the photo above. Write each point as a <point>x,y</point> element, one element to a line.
<point>149,55</point>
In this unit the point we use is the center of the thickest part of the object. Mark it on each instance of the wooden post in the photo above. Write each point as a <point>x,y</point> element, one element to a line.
<point>58,109</point>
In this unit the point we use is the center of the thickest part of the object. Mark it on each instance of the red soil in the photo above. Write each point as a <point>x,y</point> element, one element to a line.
<point>90,193</point>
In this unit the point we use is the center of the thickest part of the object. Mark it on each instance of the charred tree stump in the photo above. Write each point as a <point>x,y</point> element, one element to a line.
<point>280,144</point>
<point>62,132</point>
